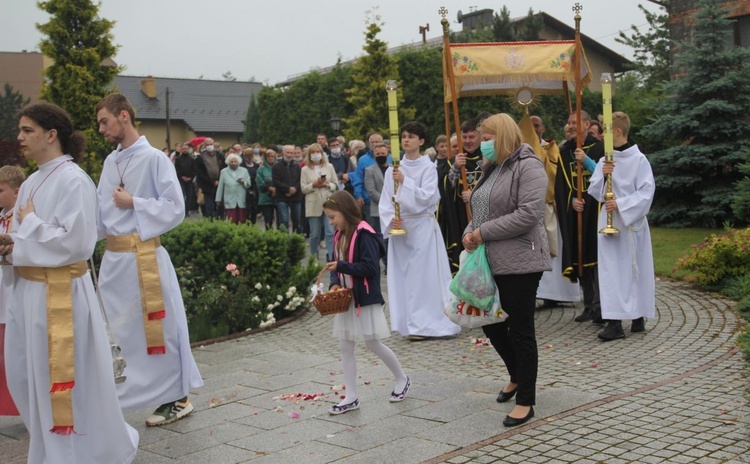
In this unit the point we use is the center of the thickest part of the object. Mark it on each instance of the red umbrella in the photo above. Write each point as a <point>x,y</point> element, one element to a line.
<point>196,141</point>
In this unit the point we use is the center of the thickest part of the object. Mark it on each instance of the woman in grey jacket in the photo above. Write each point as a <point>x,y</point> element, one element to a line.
<point>507,207</point>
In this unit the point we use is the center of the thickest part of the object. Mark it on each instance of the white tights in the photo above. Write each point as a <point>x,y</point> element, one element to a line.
<point>350,366</point>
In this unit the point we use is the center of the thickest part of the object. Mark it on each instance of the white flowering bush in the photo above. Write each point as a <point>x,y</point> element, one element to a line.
<point>233,276</point>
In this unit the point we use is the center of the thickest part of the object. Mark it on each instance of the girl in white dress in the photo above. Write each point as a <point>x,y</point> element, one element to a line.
<point>356,265</point>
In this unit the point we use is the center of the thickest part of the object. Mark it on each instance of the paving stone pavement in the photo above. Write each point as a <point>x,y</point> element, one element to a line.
<point>674,394</point>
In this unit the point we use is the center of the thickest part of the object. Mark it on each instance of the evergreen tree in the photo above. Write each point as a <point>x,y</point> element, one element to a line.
<point>80,44</point>
<point>252,122</point>
<point>367,95</point>
<point>651,48</point>
<point>704,118</point>
<point>11,103</point>
<point>741,204</point>
<point>502,27</point>
<point>532,27</point>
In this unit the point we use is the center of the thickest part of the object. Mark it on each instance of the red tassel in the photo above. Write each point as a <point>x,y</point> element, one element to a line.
<point>156,315</point>
<point>157,350</point>
<point>61,386</point>
<point>62,429</point>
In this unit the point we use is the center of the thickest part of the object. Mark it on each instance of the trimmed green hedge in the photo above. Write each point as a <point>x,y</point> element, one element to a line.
<point>237,277</point>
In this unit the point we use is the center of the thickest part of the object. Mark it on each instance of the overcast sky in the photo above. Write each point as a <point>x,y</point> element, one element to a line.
<point>271,40</point>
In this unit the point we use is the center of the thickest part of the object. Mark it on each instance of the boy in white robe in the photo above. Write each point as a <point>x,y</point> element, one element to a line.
<point>626,264</point>
<point>11,178</point>
<point>140,199</point>
<point>60,375</point>
<point>418,268</point>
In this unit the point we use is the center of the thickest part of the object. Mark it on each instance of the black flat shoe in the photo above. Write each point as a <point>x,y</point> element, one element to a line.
<point>503,396</point>
<point>512,421</point>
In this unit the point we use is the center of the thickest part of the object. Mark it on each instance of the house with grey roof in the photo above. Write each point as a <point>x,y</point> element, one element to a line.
<point>194,107</point>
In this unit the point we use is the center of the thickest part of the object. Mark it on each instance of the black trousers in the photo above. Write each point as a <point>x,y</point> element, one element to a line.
<point>590,284</point>
<point>515,339</point>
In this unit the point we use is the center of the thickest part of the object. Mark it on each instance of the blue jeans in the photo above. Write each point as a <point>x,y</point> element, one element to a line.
<point>317,224</point>
<point>282,213</point>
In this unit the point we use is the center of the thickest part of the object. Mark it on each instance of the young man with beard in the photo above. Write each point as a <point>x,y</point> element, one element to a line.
<point>140,199</point>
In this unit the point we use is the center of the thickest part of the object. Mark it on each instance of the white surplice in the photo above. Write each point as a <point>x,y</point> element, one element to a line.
<point>150,177</point>
<point>626,265</point>
<point>553,286</point>
<point>418,268</point>
<point>62,231</point>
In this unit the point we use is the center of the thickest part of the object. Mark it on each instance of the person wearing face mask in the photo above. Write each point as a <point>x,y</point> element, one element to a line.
<point>184,165</point>
<point>374,176</point>
<point>231,192</point>
<point>318,182</point>
<point>251,161</point>
<point>507,208</point>
<point>342,164</point>
<point>286,181</point>
<point>208,166</point>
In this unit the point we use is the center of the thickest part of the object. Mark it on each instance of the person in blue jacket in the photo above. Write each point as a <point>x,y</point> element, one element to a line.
<point>356,265</point>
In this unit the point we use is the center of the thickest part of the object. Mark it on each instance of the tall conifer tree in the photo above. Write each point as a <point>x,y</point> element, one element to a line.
<point>80,44</point>
<point>704,116</point>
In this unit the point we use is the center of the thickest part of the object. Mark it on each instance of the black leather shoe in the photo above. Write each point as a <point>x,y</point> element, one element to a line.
<point>587,315</point>
<point>612,331</point>
<point>638,325</point>
<point>503,396</point>
<point>512,421</point>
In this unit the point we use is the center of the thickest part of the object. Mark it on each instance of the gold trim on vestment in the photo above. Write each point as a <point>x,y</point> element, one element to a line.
<point>152,299</point>
<point>60,337</point>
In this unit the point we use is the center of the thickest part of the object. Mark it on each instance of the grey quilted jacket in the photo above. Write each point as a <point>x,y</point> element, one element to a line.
<point>514,235</point>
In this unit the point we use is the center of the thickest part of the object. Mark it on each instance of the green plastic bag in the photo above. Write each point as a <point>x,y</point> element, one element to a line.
<point>473,282</point>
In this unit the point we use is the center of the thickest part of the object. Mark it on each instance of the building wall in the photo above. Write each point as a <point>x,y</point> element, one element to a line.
<point>681,15</point>
<point>23,71</point>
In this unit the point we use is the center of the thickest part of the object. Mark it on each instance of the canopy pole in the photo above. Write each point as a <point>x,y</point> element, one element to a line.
<point>454,98</point>
<point>579,133</point>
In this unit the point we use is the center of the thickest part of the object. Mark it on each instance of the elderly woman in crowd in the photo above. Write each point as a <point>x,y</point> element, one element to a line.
<point>507,207</point>
<point>234,181</point>
<point>318,182</point>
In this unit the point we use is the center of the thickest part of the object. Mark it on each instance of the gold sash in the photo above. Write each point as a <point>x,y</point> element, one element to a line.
<point>152,300</point>
<point>60,339</point>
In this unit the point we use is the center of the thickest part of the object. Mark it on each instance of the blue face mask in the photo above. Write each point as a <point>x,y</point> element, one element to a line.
<point>487,148</point>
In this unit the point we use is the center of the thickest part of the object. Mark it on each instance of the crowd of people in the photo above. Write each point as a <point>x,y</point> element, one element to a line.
<point>534,205</point>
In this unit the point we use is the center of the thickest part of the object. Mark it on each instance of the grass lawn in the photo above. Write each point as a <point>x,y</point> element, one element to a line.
<point>671,244</point>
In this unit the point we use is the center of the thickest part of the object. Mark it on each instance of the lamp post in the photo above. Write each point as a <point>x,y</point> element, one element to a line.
<point>335,122</point>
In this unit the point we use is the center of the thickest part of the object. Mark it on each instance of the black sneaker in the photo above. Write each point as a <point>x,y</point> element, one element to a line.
<point>638,325</point>
<point>587,315</point>
<point>612,331</point>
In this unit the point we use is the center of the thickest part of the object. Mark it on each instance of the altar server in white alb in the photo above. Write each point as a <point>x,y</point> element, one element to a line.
<point>140,199</point>
<point>60,372</point>
<point>418,268</point>
<point>626,263</point>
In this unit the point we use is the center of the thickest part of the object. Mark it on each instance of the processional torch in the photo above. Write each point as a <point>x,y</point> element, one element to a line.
<point>391,88</point>
<point>608,146</point>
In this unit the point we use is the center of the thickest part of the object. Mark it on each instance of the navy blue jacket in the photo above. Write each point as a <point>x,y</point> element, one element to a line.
<point>363,265</point>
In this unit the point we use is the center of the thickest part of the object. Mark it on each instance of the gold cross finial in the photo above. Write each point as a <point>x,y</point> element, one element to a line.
<point>443,11</point>
<point>577,8</point>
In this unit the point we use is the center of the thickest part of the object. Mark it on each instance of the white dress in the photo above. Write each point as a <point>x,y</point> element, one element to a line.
<point>370,324</point>
<point>626,262</point>
<point>62,231</point>
<point>418,268</point>
<point>150,177</point>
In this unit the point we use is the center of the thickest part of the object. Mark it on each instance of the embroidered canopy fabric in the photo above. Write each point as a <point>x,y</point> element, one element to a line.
<point>504,67</point>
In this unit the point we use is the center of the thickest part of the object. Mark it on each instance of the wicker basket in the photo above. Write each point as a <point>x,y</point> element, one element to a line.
<point>334,302</point>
